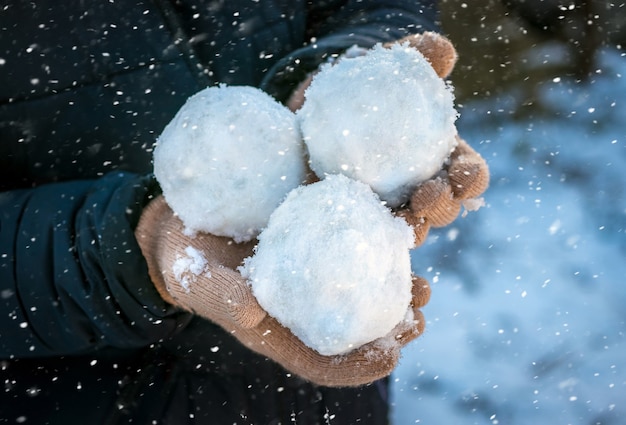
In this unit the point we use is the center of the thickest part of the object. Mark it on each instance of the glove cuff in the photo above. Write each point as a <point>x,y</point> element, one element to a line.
<point>148,234</point>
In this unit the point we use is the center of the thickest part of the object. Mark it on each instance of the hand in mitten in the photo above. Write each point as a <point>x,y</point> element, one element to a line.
<point>437,201</point>
<point>197,273</point>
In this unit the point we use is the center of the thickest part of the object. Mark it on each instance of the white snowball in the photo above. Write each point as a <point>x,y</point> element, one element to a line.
<point>227,159</point>
<point>384,118</point>
<point>333,265</point>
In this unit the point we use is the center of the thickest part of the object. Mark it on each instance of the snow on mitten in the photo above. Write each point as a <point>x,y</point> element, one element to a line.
<point>197,273</point>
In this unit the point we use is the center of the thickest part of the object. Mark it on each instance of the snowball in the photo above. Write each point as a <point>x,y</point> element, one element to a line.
<point>384,118</point>
<point>333,265</point>
<point>227,159</point>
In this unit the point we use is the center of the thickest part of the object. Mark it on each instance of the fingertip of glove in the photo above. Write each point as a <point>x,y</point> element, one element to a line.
<point>420,322</point>
<point>468,172</point>
<point>434,201</point>
<point>409,330</point>
<point>469,181</point>
<point>419,225</point>
<point>420,292</point>
<point>246,313</point>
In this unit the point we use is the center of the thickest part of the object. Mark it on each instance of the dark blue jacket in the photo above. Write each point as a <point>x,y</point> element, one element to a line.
<point>85,89</point>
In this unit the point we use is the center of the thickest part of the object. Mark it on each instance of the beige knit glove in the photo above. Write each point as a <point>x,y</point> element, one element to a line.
<point>198,274</point>
<point>437,202</point>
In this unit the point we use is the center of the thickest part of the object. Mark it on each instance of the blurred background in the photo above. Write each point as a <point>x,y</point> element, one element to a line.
<point>527,320</point>
<point>524,42</point>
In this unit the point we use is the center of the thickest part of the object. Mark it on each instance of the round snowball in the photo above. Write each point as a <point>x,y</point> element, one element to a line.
<point>384,118</point>
<point>227,159</point>
<point>333,265</point>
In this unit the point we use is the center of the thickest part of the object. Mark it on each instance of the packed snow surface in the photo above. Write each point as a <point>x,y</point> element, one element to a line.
<point>227,159</point>
<point>333,265</point>
<point>384,118</point>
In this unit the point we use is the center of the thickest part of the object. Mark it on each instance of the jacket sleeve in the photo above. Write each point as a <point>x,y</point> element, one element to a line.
<point>357,22</point>
<point>72,277</point>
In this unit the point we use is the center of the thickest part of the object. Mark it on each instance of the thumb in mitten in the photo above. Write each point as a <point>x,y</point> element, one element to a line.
<point>196,272</point>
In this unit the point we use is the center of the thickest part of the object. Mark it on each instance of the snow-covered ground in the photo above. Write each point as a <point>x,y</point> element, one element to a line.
<point>527,321</point>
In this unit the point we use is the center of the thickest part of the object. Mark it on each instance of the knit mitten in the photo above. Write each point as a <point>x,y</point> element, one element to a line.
<point>438,201</point>
<point>198,273</point>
